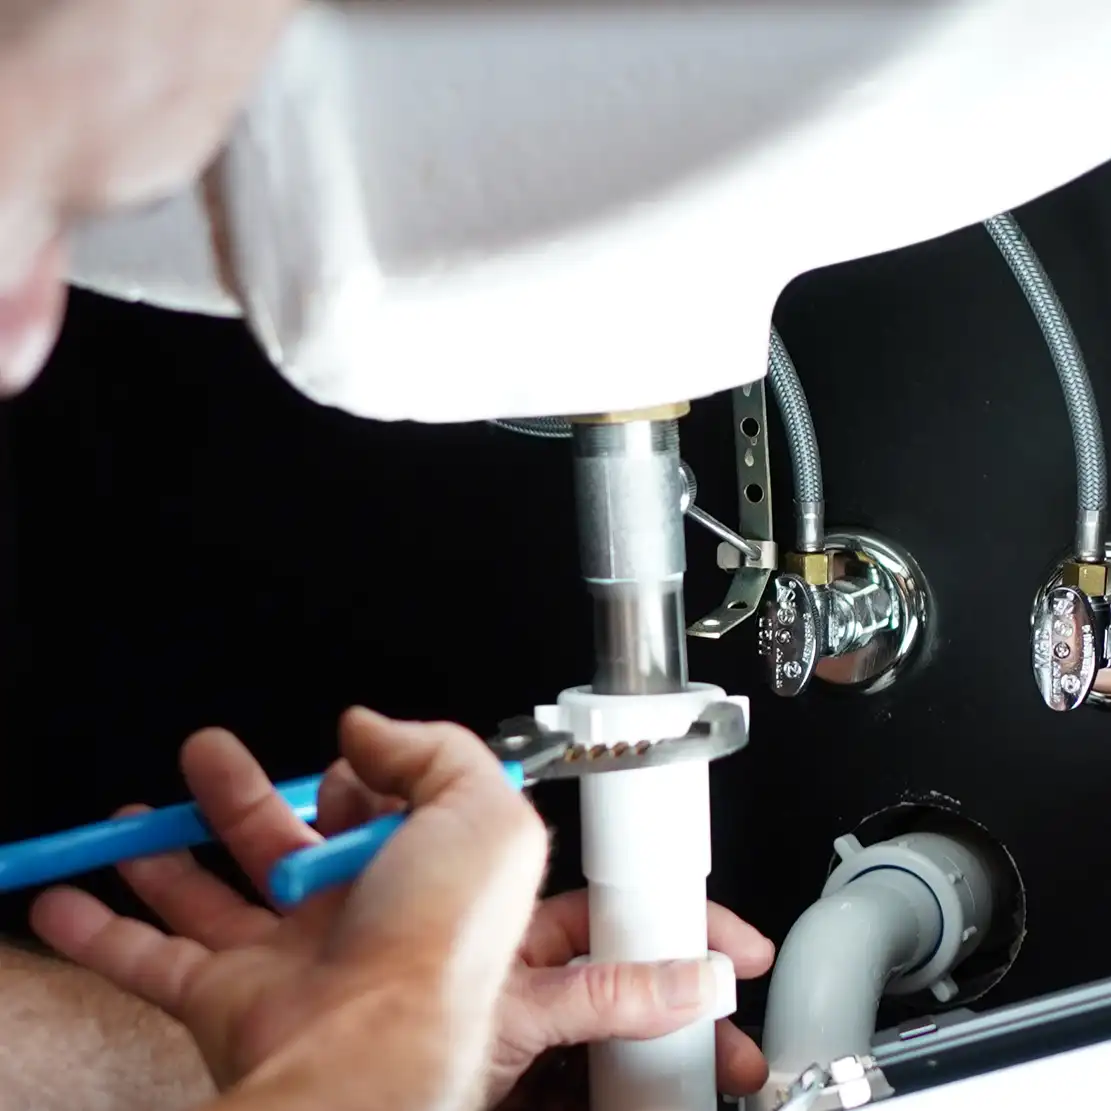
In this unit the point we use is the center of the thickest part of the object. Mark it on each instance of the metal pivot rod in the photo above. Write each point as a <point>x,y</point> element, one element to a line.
<point>629,490</point>
<point>748,548</point>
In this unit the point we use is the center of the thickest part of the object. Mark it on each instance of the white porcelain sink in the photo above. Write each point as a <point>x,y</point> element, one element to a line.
<point>455,211</point>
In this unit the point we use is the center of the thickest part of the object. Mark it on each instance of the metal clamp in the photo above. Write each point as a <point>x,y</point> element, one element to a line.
<point>848,1083</point>
<point>751,572</point>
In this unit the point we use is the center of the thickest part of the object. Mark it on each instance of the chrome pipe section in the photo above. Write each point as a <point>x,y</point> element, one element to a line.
<point>637,638</point>
<point>629,489</point>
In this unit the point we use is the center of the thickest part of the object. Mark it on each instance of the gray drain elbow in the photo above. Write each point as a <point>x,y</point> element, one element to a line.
<point>896,917</point>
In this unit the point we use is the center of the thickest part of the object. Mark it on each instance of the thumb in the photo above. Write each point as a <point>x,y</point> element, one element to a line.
<point>593,1002</point>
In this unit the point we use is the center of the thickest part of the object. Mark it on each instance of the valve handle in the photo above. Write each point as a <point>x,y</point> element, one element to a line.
<point>1068,646</point>
<point>790,636</point>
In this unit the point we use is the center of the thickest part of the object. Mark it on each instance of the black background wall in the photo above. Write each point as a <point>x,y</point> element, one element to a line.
<point>187,542</point>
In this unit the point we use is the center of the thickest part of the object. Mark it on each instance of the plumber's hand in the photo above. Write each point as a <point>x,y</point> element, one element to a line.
<point>544,1004</point>
<point>412,958</point>
<point>547,1005</point>
<point>104,104</point>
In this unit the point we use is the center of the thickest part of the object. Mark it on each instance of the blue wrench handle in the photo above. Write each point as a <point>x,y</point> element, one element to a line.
<point>60,856</point>
<point>342,858</point>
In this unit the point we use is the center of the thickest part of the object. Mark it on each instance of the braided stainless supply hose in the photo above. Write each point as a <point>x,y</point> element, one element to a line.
<point>1072,370</point>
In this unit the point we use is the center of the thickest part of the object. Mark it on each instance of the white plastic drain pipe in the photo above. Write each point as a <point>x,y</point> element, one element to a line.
<point>646,856</point>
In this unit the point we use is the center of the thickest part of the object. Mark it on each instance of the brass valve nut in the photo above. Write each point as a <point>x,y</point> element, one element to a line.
<point>1088,578</point>
<point>815,568</point>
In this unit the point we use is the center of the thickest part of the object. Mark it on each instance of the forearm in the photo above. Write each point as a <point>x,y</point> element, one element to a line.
<point>70,1041</point>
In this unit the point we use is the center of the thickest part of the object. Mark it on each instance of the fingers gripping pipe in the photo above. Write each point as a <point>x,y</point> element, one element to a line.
<point>896,917</point>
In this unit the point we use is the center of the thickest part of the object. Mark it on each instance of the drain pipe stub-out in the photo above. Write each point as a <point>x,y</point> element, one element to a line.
<point>958,881</point>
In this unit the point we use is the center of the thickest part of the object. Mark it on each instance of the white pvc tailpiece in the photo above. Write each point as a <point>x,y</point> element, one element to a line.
<point>646,856</point>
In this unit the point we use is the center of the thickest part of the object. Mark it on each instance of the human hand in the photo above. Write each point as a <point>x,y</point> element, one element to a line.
<point>545,1004</point>
<point>548,1005</point>
<point>411,958</point>
<point>105,104</point>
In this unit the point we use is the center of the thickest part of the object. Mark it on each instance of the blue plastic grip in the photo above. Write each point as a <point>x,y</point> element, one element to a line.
<point>335,861</point>
<point>342,858</point>
<point>59,856</point>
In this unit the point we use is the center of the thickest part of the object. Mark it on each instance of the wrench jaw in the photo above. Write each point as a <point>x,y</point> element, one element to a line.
<point>528,743</point>
<point>719,731</point>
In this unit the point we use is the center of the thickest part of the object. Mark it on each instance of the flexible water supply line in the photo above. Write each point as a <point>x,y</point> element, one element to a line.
<point>540,428</point>
<point>802,443</point>
<point>1068,358</point>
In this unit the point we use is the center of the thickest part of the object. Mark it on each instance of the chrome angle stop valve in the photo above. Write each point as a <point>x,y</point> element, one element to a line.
<point>853,615</point>
<point>1070,627</point>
